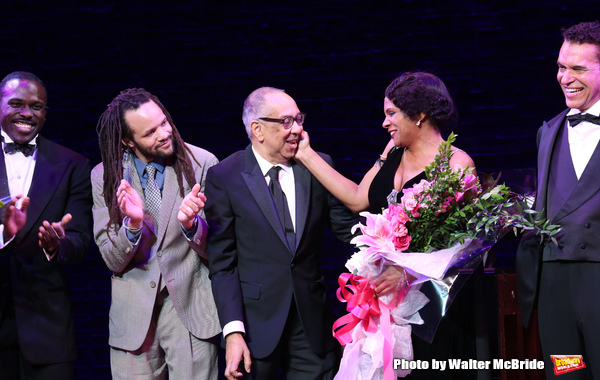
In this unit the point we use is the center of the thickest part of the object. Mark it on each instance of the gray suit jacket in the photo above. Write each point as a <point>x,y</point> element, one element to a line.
<point>579,217</point>
<point>164,250</point>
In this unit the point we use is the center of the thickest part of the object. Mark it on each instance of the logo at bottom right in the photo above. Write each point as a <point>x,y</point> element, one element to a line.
<point>567,363</point>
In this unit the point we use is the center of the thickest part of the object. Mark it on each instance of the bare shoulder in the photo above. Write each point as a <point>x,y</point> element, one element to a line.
<point>462,158</point>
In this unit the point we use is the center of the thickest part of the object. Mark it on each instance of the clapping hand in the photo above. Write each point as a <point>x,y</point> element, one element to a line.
<point>50,235</point>
<point>190,207</point>
<point>13,218</point>
<point>131,204</point>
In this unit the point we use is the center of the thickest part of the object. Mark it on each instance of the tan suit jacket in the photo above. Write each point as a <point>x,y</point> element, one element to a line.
<point>161,254</point>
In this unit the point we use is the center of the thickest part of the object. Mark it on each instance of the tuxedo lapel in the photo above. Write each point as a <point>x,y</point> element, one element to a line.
<point>547,139</point>
<point>257,185</point>
<point>4,189</point>
<point>46,177</point>
<point>302,179</point>
<point>587,186</point>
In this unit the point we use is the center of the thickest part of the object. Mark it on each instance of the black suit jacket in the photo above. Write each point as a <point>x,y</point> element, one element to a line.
<point>254,275</point>
<point>60,185</point>
<point>579,218</point>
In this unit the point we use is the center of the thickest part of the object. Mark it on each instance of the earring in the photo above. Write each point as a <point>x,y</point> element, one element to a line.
<point>419,123</point>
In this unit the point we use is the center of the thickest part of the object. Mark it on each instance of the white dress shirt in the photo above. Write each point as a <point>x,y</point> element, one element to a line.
<point>583,139</point>
<point>286,179</point>
<point>288,186</point>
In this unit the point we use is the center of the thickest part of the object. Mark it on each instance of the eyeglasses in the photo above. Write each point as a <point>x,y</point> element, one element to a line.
<point>287,121</point>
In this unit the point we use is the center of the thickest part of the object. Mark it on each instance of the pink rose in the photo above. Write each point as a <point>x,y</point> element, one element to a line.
<point>395,212</point>
<point>402,242</point>
<point>418,188</point>
<point>409,203</point>
<point>400,230</point>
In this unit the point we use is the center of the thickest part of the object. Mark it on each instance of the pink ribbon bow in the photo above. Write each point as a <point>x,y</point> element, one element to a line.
<point>363,306</point>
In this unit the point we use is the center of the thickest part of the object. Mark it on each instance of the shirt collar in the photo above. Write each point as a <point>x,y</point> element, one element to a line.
<point>593,110</point>
<point>7,139</point>
<point>265,165</point>
<point>140,165</point>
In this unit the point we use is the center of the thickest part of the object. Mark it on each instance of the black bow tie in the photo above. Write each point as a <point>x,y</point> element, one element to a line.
<point>579,117</point>
<point>26,149</point>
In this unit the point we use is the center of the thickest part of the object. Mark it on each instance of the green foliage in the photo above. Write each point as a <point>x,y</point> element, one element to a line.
<point>454,206</point>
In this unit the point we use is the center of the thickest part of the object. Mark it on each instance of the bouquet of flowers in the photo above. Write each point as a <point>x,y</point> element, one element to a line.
<point>444,223</point>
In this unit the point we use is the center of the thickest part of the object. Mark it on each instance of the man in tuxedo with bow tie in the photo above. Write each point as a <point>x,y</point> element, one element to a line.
<point>148,208</point>
<point>267,215</point>
<point>564,278</point>
<point>37,340</point>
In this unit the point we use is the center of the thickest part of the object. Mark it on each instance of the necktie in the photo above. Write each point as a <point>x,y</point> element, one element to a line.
<point>282,207</point>
<point>26,149</point>
<point>579,117</point>
<point>152,193</point>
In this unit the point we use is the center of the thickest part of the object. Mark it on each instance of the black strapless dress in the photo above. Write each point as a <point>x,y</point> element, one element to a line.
<point>455,336</point>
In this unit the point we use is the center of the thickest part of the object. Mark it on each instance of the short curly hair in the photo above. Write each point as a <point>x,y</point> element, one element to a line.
<point>584,32</point>
<point>420,92</point>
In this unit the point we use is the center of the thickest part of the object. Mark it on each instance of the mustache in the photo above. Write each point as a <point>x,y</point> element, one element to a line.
<point>166,141</point>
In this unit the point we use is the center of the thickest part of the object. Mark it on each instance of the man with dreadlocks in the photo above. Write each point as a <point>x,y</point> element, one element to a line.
<point>152,236</point>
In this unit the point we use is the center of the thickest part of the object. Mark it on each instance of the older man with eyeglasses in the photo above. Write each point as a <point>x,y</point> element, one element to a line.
<point>267,215</point>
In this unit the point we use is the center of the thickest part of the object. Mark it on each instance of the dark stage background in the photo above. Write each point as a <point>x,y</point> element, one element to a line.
<point>202,58</point>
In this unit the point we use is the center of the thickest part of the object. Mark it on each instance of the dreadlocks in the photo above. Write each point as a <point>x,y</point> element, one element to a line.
<point>112,128</point>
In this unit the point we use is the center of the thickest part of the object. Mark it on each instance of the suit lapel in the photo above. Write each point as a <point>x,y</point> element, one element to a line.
<point>131,175</point>
<point>302,179</point>
<point>167,204</point>
<point>587,186</point>
<point>546,144</point>
<point>46,177</point>
<point>258,188</point>
<point>4,189</point>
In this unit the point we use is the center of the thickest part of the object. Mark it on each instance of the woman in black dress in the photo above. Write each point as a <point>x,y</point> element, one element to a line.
<point>416,106</point>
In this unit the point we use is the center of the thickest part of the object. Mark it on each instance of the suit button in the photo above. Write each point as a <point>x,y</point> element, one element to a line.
<point>587,225</point>
<point>127,249</point>
<point>582,246</point>
<point>560,246</point>
<point>159,253</point>
<point>293,266</point>
<point>152,284</point>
